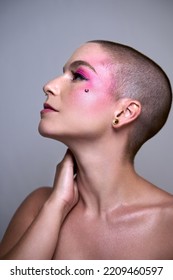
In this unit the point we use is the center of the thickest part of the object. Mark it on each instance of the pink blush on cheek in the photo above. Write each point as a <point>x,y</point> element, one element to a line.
<point>90,102</point>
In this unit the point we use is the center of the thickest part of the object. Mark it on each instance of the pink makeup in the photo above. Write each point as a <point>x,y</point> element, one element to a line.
<point>83,73</point>
<point>47,109</point>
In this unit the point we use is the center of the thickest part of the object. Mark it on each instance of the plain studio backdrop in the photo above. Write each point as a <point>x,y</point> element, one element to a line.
<point>36,39</point>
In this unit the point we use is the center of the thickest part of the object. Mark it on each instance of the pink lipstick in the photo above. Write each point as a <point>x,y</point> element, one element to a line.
<point>48,108</point>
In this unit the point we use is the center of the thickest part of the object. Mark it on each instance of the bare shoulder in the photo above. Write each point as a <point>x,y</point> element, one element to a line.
<point>155,196</point>
<point>33,202</point>
<point>36,199</point>
<point>164,200</point>
<point>161,200</point>
<point>163,230</point>
<point>23,217</point>
<point>165,209</point>
<point>161,217</point>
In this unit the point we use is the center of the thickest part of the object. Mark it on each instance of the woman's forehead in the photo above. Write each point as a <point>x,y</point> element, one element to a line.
<point>91,52</point>
<point>93,56</point>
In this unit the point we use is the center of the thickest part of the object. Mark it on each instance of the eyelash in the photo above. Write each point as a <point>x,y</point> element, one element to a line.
<point>78,76</point>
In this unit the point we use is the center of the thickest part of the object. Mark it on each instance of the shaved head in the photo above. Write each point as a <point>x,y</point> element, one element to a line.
<point>138,77</point>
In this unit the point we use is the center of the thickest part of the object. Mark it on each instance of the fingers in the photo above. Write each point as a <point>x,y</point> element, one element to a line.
<point>69,162</point>
<point>75,196</point>
<point>68,159</point>
<point>65,192</point>
<point>64,170</point>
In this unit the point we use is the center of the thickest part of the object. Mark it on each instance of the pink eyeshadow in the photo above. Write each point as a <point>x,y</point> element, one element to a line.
<point>83,73</point>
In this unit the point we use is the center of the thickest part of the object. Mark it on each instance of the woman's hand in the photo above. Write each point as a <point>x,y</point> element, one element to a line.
<point>65,191</point>
<point>35,236</point>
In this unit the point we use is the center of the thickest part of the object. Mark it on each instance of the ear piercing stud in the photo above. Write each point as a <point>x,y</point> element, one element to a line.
<point>115,121</point>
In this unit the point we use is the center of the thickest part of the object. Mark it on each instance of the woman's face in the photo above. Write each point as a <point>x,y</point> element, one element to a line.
<point>81,97</point>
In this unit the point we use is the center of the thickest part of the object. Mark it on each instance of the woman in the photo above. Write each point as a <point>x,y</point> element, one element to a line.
<point>109,100</point>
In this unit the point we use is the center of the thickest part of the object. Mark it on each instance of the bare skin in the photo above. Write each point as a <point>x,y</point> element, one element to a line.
<point>107,211</point>
<point>136,230</point>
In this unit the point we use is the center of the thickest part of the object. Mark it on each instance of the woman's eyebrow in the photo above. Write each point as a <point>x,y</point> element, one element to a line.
<point>77,63</point>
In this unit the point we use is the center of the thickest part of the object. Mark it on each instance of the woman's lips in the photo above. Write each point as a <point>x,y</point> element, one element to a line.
<point>48,108</point>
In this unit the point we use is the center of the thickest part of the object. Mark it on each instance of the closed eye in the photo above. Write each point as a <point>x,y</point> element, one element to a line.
<point>78,76</point>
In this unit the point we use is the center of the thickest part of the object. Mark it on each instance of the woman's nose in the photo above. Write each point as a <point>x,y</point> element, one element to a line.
<point>52,88</point>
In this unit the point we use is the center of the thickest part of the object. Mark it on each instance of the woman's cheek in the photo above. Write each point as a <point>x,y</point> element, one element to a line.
<point>87,98</point>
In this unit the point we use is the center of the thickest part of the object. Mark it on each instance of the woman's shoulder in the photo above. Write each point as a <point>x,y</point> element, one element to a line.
<point>32,204</point>
<point>34,201</point>
<point>23,217</point>
<point>38,197</point>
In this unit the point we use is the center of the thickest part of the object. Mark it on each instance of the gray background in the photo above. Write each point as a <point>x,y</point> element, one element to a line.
<point>36,38</point>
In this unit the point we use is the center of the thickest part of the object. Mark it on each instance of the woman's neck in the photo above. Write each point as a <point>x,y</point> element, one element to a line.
<point>104,177</point>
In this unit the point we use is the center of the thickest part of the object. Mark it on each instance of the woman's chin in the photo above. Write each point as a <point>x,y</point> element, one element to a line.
<point>45,131</point>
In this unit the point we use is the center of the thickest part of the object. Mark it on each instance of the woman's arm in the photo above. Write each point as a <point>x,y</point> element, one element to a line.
<point>37,236</point>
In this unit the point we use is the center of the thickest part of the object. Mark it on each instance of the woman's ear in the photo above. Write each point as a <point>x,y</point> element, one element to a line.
<point>128,111</point>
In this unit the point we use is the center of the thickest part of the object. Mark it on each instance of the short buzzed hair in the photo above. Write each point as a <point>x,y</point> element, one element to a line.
<point>140,78</point>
